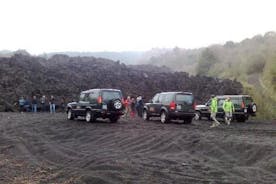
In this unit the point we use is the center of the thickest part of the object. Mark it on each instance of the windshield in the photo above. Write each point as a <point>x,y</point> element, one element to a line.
<point>188,99</point>
<point>111,95</point>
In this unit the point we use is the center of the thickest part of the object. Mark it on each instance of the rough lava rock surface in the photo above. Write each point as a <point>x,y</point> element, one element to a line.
<point>67,76</point>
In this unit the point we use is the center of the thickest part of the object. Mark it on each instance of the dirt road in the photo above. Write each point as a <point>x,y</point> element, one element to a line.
<point>44,148</point>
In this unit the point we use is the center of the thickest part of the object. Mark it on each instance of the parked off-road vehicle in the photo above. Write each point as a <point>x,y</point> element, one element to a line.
<point>244,107</point>
<point>171,105</point>
<point>97,103</point>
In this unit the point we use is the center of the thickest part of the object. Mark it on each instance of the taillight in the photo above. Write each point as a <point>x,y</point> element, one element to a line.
<point>242,105</point>
<point>194,106</point>
<point>100,99</point>
<point>172,105</point>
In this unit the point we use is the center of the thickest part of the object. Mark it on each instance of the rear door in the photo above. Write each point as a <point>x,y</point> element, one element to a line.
<point>155,106</point>
<point>108,97</point>
<point>184,102</point>
<point>82,104</point>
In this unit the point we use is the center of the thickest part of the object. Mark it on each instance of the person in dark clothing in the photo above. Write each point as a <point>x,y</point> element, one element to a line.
<point>21,103</point>
<point>52,104</point>
<point>43,102</point>
<point>34,104</point>
<point>27,105</point>
<point>139,106</point>
<point>132,107</point>
<point>62,104</point>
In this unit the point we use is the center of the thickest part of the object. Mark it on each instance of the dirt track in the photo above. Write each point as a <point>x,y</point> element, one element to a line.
<point>44,148</point>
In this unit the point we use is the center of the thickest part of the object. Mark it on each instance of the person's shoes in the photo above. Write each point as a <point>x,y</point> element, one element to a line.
<point>213,125</point>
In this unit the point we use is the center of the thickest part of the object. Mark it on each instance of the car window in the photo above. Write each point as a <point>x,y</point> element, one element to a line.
<point>247,100</point>
<point>168,98</point>
<point>82,97</point>
<point>236,101</point>
<point>111,95</point>
<point>162,98</point>
<point>156,98</point>
<point>187,99</point>
<point>93,97</point>
<point>220,102</point>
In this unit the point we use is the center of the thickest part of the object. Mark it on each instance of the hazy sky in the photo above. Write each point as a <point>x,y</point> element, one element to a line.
<point>116,25</point>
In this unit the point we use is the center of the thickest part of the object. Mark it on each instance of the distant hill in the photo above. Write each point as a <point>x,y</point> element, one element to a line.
<point>66,76</point>
<point>127,57</point>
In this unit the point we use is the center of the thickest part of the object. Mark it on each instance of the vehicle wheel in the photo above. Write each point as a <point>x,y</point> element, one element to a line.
<point>145,115</point>
<point>114,119</point>
<point>164,117</point>
<point>188,120</point>
<point>254,108</point>
<point>197,116</point>
<point>89,117</point>
<point>115,104</point>
<point>70,115</point>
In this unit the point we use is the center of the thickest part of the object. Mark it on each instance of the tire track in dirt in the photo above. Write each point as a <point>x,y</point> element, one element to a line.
<point>133,151</point>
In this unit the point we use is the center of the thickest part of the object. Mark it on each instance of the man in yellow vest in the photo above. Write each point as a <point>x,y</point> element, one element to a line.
<point>214,110</point>
<point>228,108</point>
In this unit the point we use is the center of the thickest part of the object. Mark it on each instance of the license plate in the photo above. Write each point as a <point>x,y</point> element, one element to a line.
<point>105,107</point>
<point>178,107</point>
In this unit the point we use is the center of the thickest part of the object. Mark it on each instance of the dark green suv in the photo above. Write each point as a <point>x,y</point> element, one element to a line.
<point>171,105</point>
<point>97,103</point>
<point>244,107</point>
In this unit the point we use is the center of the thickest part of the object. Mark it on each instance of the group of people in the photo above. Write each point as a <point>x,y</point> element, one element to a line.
<point>27,104</point>
<point>133,106</point>
<point>228,109</point>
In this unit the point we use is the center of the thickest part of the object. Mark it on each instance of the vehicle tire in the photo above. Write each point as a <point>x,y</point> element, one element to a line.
<point>254,108</point>
<point>164,117</point>
<point>89,117</point>
<point>188,120</point>
<point>70,115</point>
<point>114,119</point>
<point>197,116</point>
<point>145,115</point>
<point>115,104</point>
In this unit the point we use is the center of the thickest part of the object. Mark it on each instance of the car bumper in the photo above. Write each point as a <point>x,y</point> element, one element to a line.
<point>104,113</point>
<point>181,115</point>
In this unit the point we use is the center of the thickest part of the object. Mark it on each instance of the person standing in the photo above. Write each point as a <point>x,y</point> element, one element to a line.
<point>21,103</point>
<point>62,104</point>
<point>34,104</point>
<point>52,104</point>
<point>132,107</point>
<point>127,105</point>
<point>228,108</point>
<point>43,101</point>
<point>214,110</point>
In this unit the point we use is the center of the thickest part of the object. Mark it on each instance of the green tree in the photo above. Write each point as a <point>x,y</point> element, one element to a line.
<point>206,60</point>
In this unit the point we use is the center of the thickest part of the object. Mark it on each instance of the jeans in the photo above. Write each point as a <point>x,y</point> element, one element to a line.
<point>34,107</point>
<point>52,108</point>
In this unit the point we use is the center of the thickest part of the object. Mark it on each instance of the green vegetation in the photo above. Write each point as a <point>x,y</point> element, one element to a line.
<point>252,62</point>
